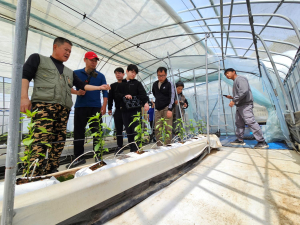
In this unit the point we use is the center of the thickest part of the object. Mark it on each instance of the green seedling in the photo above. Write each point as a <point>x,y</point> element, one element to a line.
<point>141,132</point>
<point>162,130</point>
<point>28,142</point>
<point>201,125</point>
<point>180,129</point>
<point>99,135</point>
<point>192,127</point>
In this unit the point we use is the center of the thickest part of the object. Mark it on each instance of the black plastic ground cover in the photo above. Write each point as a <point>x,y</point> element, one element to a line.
<point>110,208</point>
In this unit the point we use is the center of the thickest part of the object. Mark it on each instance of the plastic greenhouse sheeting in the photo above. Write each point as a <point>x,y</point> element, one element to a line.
<point>143,32</point>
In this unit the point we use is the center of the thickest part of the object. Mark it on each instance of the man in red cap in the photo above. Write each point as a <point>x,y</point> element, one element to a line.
<point>87,103</point>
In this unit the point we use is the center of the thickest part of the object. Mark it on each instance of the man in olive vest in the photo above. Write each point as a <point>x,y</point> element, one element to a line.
<point>52,99</point>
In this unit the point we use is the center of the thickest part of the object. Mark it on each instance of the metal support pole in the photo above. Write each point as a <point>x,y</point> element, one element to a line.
<point>291,94</point>
<point>287,101</point>
<point>219,94</point>
<point>293,97</point>
<point>13,125</point>
<point>150,84</point>
<point>224,110</point>
<point>3,106</point>
<point>221,23</point>
<point>196,102</point>
<point>207,98</point>
<point>297,90</point>
<point>251,21</point>
<point>172,76</point>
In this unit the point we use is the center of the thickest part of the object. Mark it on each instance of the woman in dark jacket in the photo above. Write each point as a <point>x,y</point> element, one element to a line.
<point>130,88</point>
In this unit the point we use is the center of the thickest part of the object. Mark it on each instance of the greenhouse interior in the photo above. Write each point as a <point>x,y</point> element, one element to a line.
<point>228,154</point>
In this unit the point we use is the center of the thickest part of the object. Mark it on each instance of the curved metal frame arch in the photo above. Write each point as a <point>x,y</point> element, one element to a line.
<point>236,3</point>
<point>251,58</point>
<point>245,24</point>
<point>288,104</point>
<point>267,40</point>
<point>251,49</point>
<point>216,17</point>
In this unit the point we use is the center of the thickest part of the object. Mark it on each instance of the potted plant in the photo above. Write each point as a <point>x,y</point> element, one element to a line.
<point>192,127</point>
<point>162,130</point>
<point>100,134</point>
<point>180,130</point>
<point>29,152</point>
<point>141,131</point>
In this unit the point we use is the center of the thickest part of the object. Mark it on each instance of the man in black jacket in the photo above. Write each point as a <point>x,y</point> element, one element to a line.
<point>164,94</point>
<point>112,97</point>
<point>128,88</point>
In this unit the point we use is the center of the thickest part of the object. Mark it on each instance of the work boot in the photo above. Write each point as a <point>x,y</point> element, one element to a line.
<point>262,144</point>
<point>78,162</point>
<point>237,142</point>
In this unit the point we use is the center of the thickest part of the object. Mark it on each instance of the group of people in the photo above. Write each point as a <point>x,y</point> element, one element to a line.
<point>52,99</point>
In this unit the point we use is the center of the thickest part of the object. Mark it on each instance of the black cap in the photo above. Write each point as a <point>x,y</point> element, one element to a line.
<point>229,70</point>
<point>179,83</point>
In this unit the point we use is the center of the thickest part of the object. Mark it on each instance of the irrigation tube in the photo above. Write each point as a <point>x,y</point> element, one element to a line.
<point>207,99</point>
<point>13,126</point>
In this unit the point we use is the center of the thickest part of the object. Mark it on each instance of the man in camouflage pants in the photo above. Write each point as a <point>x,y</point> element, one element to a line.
<point>52,99</point>
<point>56,136</point>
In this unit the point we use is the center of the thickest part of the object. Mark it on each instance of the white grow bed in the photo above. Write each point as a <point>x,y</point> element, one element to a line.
<point>51,205</point>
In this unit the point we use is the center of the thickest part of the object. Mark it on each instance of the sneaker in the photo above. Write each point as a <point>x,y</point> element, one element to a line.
<point>76,163</point>
<point>261,145</point>
<point>237,142</point>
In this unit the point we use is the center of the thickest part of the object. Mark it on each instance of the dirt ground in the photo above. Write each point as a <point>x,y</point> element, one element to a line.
<point>230,186</point>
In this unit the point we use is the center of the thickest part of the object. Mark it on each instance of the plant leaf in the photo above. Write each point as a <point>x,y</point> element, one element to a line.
<point>28,141</point>
<point>97,147</point>
<point>43,130</point>
<point>24,158</point>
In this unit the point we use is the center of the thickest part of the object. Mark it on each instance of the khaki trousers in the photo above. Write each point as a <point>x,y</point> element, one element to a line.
<point>162,114</point>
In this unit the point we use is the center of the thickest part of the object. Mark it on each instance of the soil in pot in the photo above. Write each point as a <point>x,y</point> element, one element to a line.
<point>97,166</point>
<point>20,181</point>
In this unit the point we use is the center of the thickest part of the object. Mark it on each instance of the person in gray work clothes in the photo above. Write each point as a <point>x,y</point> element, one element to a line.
<point>243,100</point>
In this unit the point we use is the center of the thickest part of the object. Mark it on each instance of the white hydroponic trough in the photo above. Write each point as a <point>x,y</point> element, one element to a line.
<point>57,203</point>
